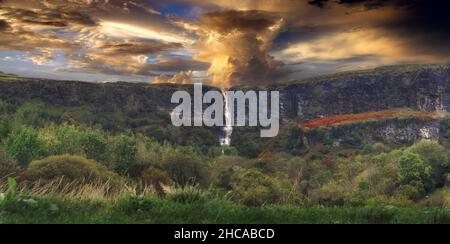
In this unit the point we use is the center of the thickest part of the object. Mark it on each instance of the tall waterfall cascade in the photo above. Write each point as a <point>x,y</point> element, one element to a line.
<point>225,140</point>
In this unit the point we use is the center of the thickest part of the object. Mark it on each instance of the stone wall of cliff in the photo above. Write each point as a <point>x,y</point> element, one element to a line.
<point>424,88</point>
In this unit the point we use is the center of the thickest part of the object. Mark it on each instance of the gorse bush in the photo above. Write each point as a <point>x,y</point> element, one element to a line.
<point>70,169</point>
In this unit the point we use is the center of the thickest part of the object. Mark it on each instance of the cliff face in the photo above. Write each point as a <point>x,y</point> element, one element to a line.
<point>129,97</point>
<point>420,87</point>
<point>424,88</point>
<point>121,106</point>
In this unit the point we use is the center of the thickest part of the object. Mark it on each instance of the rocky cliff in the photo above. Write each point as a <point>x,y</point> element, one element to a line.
<point>417,87</point>
<point>421,87</point>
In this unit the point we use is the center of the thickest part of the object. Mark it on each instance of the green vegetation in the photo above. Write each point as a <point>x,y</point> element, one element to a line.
<point>69,171</point>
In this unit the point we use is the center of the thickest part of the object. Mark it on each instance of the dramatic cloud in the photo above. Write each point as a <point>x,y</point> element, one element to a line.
<point>180,78</point>
<point>4,25</point>
<point>223,42</point>
<point>60,17</point>
<point>237,44</point>
<point>123,58</point>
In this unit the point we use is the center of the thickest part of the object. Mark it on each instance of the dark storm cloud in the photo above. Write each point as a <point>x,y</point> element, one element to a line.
<point>4,25</point>
<point>47,17</point>
<point>423,24</point>
<point>369,4</point>
<point>250,21</point>
<point>137,48</point>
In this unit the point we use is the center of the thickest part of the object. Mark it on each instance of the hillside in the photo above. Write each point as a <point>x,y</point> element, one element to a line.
<point>146,108</point>
<point>117,106</point>
<point>349,143</point>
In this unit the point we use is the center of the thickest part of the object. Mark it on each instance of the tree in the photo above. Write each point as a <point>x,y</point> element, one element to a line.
<point>434,155</point>
<point>414,172</point>
<point>125,153</point>
<point>253,187</point>
<point>94,145</point>
<point>25,146</point>
<point>5,127</point>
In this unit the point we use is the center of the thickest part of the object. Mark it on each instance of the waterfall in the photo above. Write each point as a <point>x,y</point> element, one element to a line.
<point>228,128</point>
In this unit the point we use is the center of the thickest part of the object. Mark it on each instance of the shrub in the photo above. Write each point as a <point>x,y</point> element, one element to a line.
<point>440,198</point>
<point>125,154</point>
<point>62,139</point>
<point>254,188</point>
<point>184,169</point>
<point>155,178</point>
<point>380,148</point>
<point>70,169</point>
<point>413,175</point>
<point>34,114</point>
<point>221,151</point>
<point>7,163</point>
<point>188,195</point>
<point>25,146</point>
<point>5,128</point>
<point>434,155</point>
<point>250,149</point>
<point>94,145</point>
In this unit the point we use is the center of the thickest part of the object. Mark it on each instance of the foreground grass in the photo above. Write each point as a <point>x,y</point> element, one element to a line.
<point>159,211</point>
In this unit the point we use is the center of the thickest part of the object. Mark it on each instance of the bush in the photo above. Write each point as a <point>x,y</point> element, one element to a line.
<point>5,128</point>
<point>414,176</point>
<point>254,188</point>
<point>62,139</point>
<point>436,156</point>
<point>188,195</point>
<point>70,169</point>
<point>125,153</point>
<point>440,198</point>
<point>215,152</point>
<point>380,148</point>
<point>25,146</point>
<point>94,145</point>
<point>34,114</point>
<point>184,169</point>
<point>7,163</point>
<point>155,178</point>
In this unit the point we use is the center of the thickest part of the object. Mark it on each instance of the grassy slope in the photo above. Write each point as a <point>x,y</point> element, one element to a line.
<point>154,210</point>
<point>369,116</point>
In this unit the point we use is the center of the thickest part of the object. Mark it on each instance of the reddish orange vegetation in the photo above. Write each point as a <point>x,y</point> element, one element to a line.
<point>351,118</point>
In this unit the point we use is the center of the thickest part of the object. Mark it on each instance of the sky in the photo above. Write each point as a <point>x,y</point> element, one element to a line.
<point>220,42</point>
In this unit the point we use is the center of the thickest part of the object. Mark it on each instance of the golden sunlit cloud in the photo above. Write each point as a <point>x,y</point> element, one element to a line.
<point>228,42</point>
<point>359,43</point>
<point>123,30</point>
<point>236,44</point>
